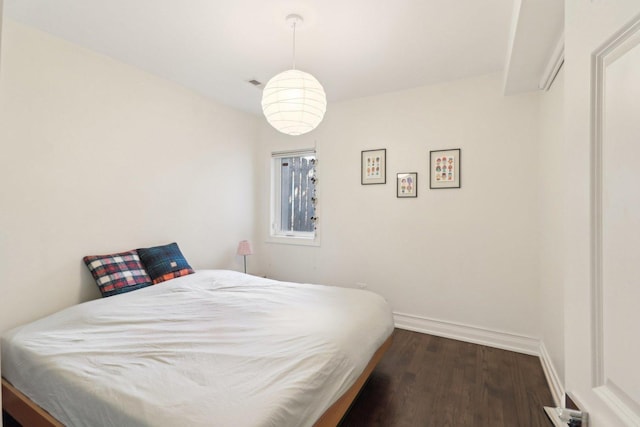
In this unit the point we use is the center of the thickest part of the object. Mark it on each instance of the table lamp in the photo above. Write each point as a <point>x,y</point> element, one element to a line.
<point>244,249</point>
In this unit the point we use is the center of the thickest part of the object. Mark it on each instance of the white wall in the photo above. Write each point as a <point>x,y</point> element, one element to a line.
<point>552,187</point>
<point>97,156</point>
<point>467,256</point>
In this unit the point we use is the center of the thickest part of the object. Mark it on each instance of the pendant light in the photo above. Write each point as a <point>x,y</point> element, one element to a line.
<point>293,101</point>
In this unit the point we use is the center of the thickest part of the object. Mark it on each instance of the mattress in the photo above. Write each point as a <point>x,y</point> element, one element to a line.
<point>215,348</point>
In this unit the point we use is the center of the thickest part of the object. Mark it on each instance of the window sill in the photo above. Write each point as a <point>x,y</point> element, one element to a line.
<point>292,240</point>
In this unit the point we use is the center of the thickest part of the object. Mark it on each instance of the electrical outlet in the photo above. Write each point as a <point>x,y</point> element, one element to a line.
<point>361,285</point>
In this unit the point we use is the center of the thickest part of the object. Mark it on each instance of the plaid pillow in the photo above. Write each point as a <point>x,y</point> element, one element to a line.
<point>117,273</point>
<point>164,262</point>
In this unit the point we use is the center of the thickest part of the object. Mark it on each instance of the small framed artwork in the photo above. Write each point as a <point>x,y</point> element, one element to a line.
<point>445,168</point>
<point>407,184</point>
<point>374,167</point>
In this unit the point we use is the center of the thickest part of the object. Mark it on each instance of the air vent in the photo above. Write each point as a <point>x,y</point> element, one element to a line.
<point>255,82</point>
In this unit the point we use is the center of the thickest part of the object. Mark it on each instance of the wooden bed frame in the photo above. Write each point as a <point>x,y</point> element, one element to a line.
<point>27,413</point>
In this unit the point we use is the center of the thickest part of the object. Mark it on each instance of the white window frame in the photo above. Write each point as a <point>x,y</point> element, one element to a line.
<point>276,235</point>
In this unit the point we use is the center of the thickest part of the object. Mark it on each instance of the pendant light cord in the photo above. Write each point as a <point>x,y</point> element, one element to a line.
<point>294,44</point>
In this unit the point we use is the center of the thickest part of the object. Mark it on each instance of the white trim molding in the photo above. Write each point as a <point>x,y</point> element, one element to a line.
<point>623,406</point>
<point>553,379</point>
<point>492,338</point>
<point>468,333</point>
<point>611,394</point>
<point>621,43</point>
<point>553,66</point>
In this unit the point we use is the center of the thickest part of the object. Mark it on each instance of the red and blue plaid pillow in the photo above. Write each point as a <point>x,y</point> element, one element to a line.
<point>118,273</point>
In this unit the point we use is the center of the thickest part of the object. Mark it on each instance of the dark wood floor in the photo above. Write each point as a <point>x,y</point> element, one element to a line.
<point>7,421</point>
<point>425,380</point>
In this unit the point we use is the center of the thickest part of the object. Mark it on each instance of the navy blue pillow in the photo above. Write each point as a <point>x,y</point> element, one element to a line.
<point>164,262</point>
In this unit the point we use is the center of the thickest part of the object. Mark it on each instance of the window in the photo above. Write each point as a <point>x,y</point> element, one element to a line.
<point>293,198</point>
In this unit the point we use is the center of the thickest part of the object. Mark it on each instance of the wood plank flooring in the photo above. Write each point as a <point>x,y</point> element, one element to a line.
<point>424,381</point>
<point>8,421</point>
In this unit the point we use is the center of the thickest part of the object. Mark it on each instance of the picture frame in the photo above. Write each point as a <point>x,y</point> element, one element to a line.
<point>445,168</point>
<point>406,184</point>
<point>373,167</point>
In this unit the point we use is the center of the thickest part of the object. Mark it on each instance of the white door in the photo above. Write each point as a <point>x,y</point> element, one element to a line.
<point>602,308</point>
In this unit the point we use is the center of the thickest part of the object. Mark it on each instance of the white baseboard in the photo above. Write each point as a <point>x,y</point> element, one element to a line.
<point>557,389</point>
<point>472,334</point>
<point>488,337</point>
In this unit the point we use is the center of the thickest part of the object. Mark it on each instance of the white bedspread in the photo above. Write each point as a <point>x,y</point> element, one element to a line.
<point>215,348</point>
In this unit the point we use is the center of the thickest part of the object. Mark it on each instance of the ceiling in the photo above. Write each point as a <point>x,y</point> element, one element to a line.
<point>355,48</point>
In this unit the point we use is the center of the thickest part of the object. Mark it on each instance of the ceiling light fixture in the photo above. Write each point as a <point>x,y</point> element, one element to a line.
<point>293,101</point>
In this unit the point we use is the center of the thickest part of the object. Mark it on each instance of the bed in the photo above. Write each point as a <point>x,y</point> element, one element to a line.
<point>214,348</point>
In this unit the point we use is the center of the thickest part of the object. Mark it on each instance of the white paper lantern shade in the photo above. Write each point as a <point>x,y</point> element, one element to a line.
<point>294,102</point>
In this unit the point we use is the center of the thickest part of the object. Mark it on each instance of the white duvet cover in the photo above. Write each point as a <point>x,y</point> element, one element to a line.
<point>215,348</point>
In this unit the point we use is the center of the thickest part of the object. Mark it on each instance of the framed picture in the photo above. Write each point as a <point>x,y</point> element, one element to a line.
<point>445,168</point>
<point>374,167</point>
<point>407,184</point>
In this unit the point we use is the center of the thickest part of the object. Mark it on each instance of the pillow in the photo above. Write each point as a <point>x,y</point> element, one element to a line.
<point>117,273</point>
<point>164,262</point>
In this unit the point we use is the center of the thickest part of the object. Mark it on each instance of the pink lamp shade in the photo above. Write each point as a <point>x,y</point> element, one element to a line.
<point>244,248</point>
